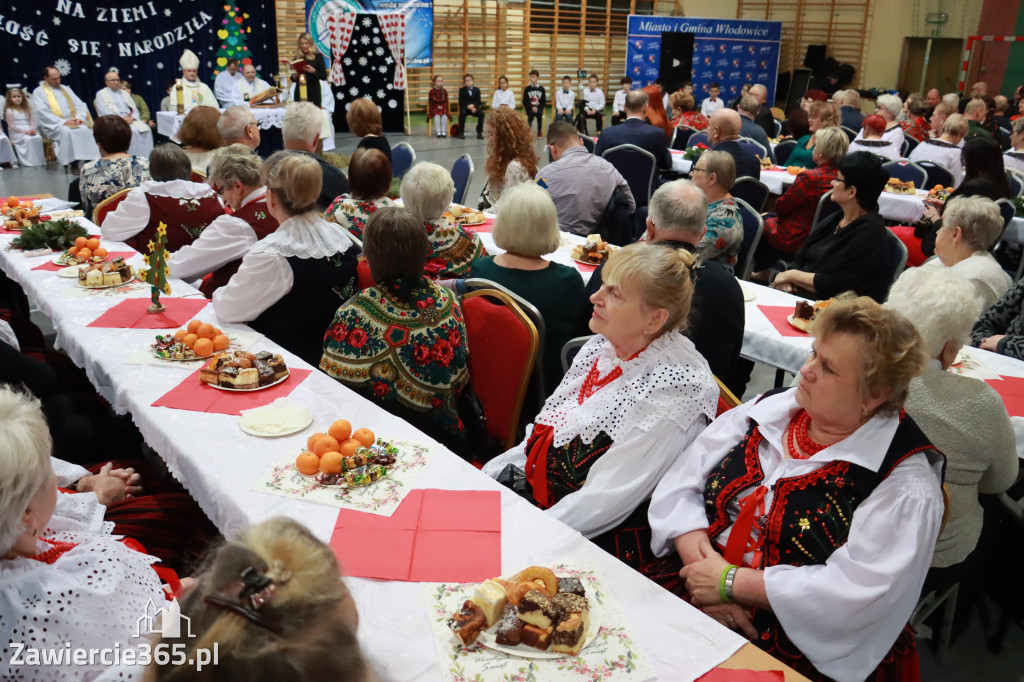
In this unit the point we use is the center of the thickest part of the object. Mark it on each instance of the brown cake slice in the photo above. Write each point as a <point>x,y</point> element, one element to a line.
<point>537,609</point>
<point>510,628</point>
<point>538,638</point>
<point>803,310</point>
<point>266,374</point>
<point>468,622</point>
<point>574,619</point>
<point>571,586</point>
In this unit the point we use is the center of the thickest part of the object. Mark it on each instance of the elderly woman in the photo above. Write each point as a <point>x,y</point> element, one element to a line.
<point>915,125</point>
<point>785,232</point>
<point>970,225</point>
<point>66,580</point>
<point>683,111</point>
<point>945,149</point>
<point>940,113</point>
<point>199,136</point>
<point>528,230</point>
<point>637,394</point>
<point>872,139</point>
<point>819,115</point>
<point>364,121</point>
<point>304,267</point>
<point>715,173</point>
<point>849,250</point>
<point>170,197</point>
<point>889,107</point>
<point>116,169</point>
<point>1014,158</point>
<point>235,172</point>
<point>304,629</point>
<point>806,518</point>
<point>368,184</point>
<point>942,306</point>
<point>427,191</point>
<point>511,159</point>
<point>420,371</point>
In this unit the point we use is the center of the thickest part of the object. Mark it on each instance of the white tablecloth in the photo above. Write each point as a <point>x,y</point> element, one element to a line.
<point>218,464</point>
<point>168,122</point>
<point>562,255</point>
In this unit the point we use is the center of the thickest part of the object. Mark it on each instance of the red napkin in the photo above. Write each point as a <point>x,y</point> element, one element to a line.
<point>49,266</point>
<point>131,313</point>
<point>433,536</point>
<point>778,315</point>
<point>1011,390</point>
<point>192,394</point>
<point>584,267</point>
<point>731,675</point>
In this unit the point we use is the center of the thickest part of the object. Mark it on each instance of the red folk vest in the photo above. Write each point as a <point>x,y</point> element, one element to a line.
<point>185,219</point>
<point>262,223</point>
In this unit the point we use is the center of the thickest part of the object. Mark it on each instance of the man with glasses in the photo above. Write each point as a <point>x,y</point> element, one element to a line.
<point>113,101</point>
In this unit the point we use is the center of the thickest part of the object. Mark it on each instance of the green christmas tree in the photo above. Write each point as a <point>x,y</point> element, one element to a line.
<point>232,37</point>
<point>159,271</point>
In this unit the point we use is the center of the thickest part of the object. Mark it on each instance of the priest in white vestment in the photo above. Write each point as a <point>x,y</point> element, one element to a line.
<point>113,101</point>
<point>196,92</point>
<point>249,86</point>
<point>64,118</point>
<point>224,84</point>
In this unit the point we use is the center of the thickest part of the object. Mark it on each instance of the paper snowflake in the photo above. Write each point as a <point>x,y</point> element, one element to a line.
<point>383,69</point>
<point>379,52</point>
<point>115,69</point>
<point>388,60</point>
<point>347,61</point>
<point>353,91</point>
<point>167,12</point>
<point>63,66</point>
<point>367,22</point>
<point>362,61</point>
<point>381,94</point>
<point>366,79</point>
<point>159,65</point>
<point>340,95</point>
<point>56,21</point>
<point>392,103</point>
<point>376,30</point>
<point>389,86</point>
<point>376,41</point>
<point>365,40</point>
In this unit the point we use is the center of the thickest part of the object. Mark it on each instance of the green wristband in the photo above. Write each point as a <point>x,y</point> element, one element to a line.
<point>726,598</point>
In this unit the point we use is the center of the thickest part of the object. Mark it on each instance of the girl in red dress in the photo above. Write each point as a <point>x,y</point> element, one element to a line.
<point>437,107</point>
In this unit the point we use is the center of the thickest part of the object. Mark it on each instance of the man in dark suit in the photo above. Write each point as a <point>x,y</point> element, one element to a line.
<point>723,131</point>
<point>764,116</point>
<point>300,133</point>
<point>849,109</point>
<point>469,105</point>
<point>637,132</point>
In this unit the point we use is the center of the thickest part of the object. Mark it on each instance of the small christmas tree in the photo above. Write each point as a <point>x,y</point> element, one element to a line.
<point>158,271</point>
<point>232,37</point>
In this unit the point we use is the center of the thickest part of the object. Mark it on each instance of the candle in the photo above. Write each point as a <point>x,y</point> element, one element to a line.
<point>302,88</point>
<point>181,96</point>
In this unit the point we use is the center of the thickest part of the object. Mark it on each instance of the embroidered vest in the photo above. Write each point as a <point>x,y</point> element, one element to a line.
<point>809,518</point>
<point>185,219</point>
<point>255,213</point>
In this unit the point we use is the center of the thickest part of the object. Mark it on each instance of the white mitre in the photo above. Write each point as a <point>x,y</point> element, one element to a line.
<point>189,60</point>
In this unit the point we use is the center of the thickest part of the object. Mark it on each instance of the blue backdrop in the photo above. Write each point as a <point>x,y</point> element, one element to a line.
<point>727,51</point>
<point>142,39</point>
<point>419,24</point>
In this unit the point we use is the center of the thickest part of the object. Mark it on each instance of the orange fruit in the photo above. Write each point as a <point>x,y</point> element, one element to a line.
<point>93,243</point>
<point>220,342</point>
<point>340,430</point>
<point>325,444</point>
<point>12,201</point>
<point>205,331</point>
<point>100,252</point>
<point>190,340</point>
<point>217,332</point>
<point>311,442</point>
<point>80,243</point>
<point>330,462</point>
<point>307,463</point>
<point>180,334</point>
<point>364,436</point>
<point>85,253</point>
<point>203,347</point>
<point>193,326</point>
<point>349,447</point>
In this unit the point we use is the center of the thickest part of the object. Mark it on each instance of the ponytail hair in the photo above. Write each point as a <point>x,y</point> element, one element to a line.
<point>660,275</point>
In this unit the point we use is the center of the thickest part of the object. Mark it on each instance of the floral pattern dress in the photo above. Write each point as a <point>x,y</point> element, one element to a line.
<point>105,177</point>
<point>453,249</point>
<point>402,343</point>
<point>724,237</point>
<point>353,214</point>
<point>693,119</point>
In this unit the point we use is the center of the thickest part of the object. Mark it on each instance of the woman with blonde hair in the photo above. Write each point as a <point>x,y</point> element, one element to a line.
<point>819,115</point>
<point>314,68</point>
<point>306,265</point>
<point>637,394</point>
<point>275,608</point>
<point>511,159</point>
<point>946,147</point>
<point>364,121</point>
<point>527,229</point>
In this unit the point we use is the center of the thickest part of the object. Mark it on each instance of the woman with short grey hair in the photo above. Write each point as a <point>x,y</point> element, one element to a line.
<point>889,107</point>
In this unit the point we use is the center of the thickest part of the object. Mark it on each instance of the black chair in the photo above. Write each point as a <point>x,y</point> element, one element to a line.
<point>783,150</point>
<point>589,143</point>
<point>1016,180</point>
<point>680,136</point>
<point>906,171</point>
<point>909,144</point>
<point>826,208</point>
<point>637,166</point>
<point>752,191</point>
<point>778,127</point>
<point>1007,210</point>
<point>571,348</point>
<point>700,137</point>
<point>753,228</point>
<point>850,133</point>
<point>403,156</point>
<point>754,147</point>
<point>897,255</point>
<point>937,174</point>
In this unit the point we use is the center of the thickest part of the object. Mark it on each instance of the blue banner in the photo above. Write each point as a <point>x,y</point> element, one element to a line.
<point>730,52</point>
<point>419,24</point>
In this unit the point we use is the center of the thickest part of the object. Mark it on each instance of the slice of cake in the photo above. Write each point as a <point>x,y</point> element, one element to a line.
<point>468,622</point>
<point>574,619</point>
<point>247,378</point>
<point>111,278</point>
<point>490,596</point>
<point>536,609</point>
<point>94,278</point>
<point>266,374</point>
<point>538,638</point>
<point>510,628</point>
<point>571,586</point>
<point>280,369</point>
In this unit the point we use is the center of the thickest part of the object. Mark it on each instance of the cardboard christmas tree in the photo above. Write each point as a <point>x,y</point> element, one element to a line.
<point>159,271</point>
<point>232,39</point>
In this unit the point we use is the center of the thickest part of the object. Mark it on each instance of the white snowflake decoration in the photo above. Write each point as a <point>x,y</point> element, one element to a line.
<point>366,79</point>
<point>56,21</point>
<point>379,52</point>
<point>383,69</point>
<point>389,86</point>
<point>381,94</point>
<point>167,12</point>
<point>388,60</point>
<point>347,61</point>
<point>376,30</point>
<point>63,66</point>
<point>365,40</point>
<point>376,41</point>
<point>115,69</point>
<point>159,65</point>
<point>339,96</point>
<point>353,91</point>
<point>362,61</point>
<point>367,22</point>
<point>392,103</point>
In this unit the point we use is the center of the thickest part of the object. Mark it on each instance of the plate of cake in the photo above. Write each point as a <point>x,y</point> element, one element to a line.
<point>464,215</point>
<point>594,252</point>
<point>532,614</point>
<point>105,275</point>
<point>896,186</point>
<point>804,314</point>
<point>244,371</point>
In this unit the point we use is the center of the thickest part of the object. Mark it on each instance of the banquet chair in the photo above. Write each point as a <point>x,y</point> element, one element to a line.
<point>637,166</point>
<point>826,207</point>
<point>505,345</point>
<point>778,128</point>
<point>700,137</point>
<point>589,143</point>
<point>1004,139</point>
<point>850,132</point>
<point>937,174</point>
<point>752,191</point>
<point>462,175</point>
<point>1007,210</point>
<point>726,398</point>
<point>929,603</point>
<point>197,176</point>
<point>909,144</point>
<point>1016,180</point>
<point>680,136</point>
<point>783,150</point>
<point>403,156</point>
<point>898,255</point>
<point>753,146</point>
<point>108,205</point>
<point>571,348</point>
<point>753,228</point>
<point>906,171</point>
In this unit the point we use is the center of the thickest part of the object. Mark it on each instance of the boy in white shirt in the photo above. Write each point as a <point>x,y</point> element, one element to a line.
<point>503,97</point>
<point>619,103</point>
<point>713,103</point>
<point>594,97</point>
<point>565,101</point>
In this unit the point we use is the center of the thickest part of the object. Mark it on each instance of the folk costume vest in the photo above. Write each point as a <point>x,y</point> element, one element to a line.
<point>185,219</point>
<point>262,223</point>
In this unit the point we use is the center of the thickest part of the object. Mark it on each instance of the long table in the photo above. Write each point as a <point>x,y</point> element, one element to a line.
<point>218,464</point>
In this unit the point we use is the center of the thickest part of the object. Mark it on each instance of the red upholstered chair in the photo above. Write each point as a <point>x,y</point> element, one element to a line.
<point>726,398</point>
<point>108,205</point>
<point>363,274</point>
<point>503,345</point>
<point>198,176</point>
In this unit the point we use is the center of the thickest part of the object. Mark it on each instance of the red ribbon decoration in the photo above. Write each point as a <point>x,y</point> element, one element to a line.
<point>541,440</point>
<point>742,528</point>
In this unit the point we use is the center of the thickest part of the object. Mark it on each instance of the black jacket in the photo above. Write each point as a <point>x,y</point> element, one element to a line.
<point>643,135</point>
<point>746,162</point>
<point>534,92</point>
<point>853,258</point>
<point>469,96</point>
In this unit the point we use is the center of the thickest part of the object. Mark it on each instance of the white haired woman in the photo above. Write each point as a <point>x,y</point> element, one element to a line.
<point>941,304</point>
<point>1014,158</point>
<point>64,580</point>
<point>946,147</point>
<point>527,229</point>
<point>889,107</point>
<point>636,396</point>
<point>806,518</point>
<point>970,225</point>
<point>427,191</point>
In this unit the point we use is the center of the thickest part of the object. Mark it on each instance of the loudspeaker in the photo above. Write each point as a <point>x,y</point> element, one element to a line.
<point>814,57</point>
<point>676,60</point>
<point>801,79</point>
